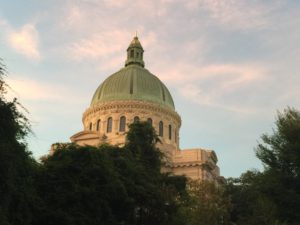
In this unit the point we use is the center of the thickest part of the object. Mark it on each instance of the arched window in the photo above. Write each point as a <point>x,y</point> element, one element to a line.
<point>109,125</point>
<point>161,129</point>
<point>136,119</point>
<point>122,124</point>
<point>131,53</point>
<point>137,55</point>
<point>98,125</point>
<point>149,120</point>
<point>170,132</point>
<point>91,126</point>
<point>175,136</point>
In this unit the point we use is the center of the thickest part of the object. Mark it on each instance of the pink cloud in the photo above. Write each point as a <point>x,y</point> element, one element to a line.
<point>236,14</point>
<point>32,90</point>
<point>235,73</point>
<point>106,45</point>
<point>223,80</point>
<point>99,45</point>
<point>25,41</point>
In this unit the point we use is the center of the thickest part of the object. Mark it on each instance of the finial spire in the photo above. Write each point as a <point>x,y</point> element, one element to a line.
<point>135,53</point>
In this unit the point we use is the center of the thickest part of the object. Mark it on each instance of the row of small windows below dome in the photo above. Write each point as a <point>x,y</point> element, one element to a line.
<point>122,126</point>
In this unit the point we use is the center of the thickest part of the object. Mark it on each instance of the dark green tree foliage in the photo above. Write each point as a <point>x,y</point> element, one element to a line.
<point>108,184</point>
<point>207,204</point>
<point>80,185</point>
<point>17,168</point>
<point>249,206</point>
<point>141,141</point>
<point>280,154</point>
<point>154,193</point>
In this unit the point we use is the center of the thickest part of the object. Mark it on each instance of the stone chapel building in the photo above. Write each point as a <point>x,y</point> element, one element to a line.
<point>133,93</point>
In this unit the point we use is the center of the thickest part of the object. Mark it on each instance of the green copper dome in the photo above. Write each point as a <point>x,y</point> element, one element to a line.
<point>133,82</point>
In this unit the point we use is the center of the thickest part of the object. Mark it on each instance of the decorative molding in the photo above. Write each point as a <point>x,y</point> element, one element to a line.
<point>191,164</point>
<point>129,105</point>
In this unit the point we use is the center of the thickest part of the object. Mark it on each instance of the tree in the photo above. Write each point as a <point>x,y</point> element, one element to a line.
<point>17,167</point>
<point>273,195</point>
<point>141,141</point>
<point>80,185</point>
<point>249,206</point>
<point>155,194</point>
<point>280,154</point>
<point>207,204</point>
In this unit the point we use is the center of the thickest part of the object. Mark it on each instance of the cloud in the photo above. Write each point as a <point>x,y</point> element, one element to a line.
<point>217,85</point>
<point>74,16</point>
<point>39,91</point>
<point>25,41</point>
<point>99,45</point>
<point>109,46</point>
<point>234,74</point>
<point>3,23</point>
<point>236,14</point>
<point>32,90</point>
<point>214,99</point>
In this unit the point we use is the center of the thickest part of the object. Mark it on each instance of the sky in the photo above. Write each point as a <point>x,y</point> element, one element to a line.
<point>229,65</point>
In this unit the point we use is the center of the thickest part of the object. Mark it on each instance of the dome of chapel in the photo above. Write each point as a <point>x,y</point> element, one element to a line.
<point>131,94</point>
<point>133,82</point>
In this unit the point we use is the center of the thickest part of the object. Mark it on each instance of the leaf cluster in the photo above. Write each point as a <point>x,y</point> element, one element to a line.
<point>207,204</point>
<point>273,195</point>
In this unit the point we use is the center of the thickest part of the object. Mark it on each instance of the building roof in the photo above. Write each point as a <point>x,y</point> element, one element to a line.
<point>133,82</point>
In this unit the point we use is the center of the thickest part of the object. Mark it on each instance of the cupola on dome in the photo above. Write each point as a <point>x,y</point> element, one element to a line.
<point>133,82</point>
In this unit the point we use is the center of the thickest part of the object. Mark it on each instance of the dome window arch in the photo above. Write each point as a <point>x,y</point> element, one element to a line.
<point>122,124</point>
<point>109,125</point>
<point>98,125</point>
<point>91,126</point>
<point>161,129</point>
<point>170,132</point>
<point>131,53</point>
<point>149,120</point>
<point>136,119</point>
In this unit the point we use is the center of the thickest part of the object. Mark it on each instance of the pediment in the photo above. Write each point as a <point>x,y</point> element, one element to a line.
<point>85,135</point>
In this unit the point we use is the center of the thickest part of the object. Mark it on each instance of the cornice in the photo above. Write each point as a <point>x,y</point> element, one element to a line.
<point>129,105</point>
<point>190,164</point>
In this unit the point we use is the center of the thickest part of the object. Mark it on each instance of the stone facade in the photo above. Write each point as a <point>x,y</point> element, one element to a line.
<point>194,163</point>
